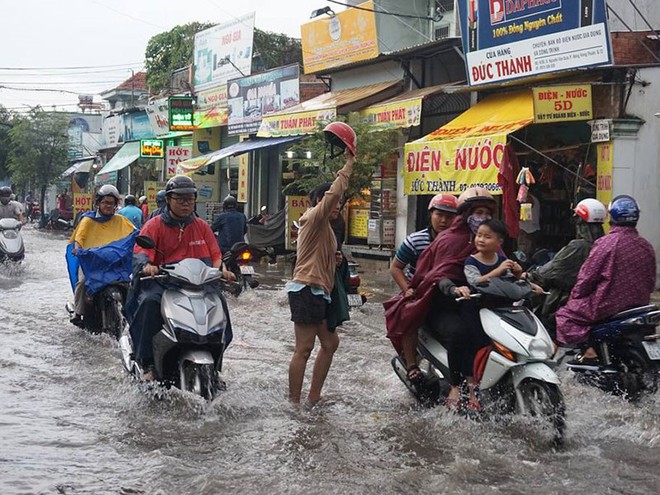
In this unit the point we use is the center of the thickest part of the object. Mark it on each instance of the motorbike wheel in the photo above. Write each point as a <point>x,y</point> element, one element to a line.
<point>198,379</point>
<point>114,319</point>
<point>544,400</point>
<point>639,374</point>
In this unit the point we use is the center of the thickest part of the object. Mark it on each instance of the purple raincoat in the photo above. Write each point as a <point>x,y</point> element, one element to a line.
<point>618,274</point>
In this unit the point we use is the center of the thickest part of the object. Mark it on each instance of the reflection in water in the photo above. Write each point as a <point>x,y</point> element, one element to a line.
<point>73,422</point>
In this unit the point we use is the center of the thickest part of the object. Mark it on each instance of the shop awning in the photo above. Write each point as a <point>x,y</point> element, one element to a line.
<point>123,158</point>
<point>81,165</point>
<point>303,118</point>
<point>469,150</point>
<point>404,110</point>
<point>194,164</point>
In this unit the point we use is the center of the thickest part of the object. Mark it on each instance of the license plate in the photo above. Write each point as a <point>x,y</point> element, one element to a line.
<point>247,270</point>
<point>354,300</point>
<point>652,349</point>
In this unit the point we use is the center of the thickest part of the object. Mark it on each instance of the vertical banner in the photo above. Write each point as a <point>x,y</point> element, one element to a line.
<point>176,154</point>
<point>295,207</point>
<point>82,202</point>
<point>605,170</point>
<point>151,188</point>
<point>243,162</point>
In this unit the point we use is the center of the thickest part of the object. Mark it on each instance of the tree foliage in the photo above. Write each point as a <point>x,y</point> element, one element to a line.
<point>39,148</point>
<point>374,150</point>
<point>5,140</point>
<point>173,49</point>
<point>169,51</point>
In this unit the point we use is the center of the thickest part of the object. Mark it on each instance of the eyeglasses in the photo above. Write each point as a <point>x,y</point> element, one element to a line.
<point>107,203</point>
<point>183,200</point>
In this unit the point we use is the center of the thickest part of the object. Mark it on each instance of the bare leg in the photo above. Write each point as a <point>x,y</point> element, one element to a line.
<point>329,343</point>
<point>409,344</point>
<point>305,337</point>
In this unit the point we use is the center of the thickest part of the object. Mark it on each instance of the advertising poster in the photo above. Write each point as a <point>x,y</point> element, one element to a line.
<point>346,37</point>
<point>295,207</point>
<point>250,98</point>
<point>211,110</point>
<point>207,188</point>
<point>223,52</point>
<point>562,103</point>
<point>137,126</point>
<point>295,124</point>
<point>399,114</point>
<point>82,203</point>
<point>174,156</point>
<point>157,113</point>
<point>113,131</point>
<point>506,39</point>
<point>358,223</point>
<point>243,162</point>
<point>151,188</point>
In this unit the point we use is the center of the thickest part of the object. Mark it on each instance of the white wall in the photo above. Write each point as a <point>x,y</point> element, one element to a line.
<point>637,169</point>
<point>650,9</point>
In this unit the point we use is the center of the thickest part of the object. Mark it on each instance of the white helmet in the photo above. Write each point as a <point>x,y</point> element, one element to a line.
<point>591,210</point>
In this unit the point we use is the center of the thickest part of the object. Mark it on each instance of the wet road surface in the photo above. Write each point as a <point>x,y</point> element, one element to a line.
<point>72,421</point>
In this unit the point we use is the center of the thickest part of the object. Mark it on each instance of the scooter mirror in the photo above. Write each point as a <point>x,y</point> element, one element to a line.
<point>263,209</point>
<point>146,242</point>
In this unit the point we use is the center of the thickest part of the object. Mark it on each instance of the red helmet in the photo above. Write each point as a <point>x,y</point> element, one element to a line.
<point>341,135</point>
<point>444,202</point>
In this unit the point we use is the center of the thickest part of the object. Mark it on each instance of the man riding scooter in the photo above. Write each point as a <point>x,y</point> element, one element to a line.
<point>8,207</point>
<point>96,228</point>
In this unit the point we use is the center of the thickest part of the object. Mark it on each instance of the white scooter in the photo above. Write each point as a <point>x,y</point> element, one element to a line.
<point>516,370</point>
<point>11,240</point>
<point>189,347</point>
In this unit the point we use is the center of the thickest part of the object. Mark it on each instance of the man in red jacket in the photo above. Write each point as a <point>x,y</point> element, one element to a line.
<point>178,234</point>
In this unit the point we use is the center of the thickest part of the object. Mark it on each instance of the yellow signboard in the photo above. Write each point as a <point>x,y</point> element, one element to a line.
<point>604,172</point>
<point>295,207</point>
<point>151,188</point>
<point>400,114</point>
<point>294,124</point>
<point>358,222</point>
<point>211,110</point>
<point>344,38</point>
<point>82,202</point>
<point>451,166</point>
<point>562,103</point>
<point>242,178</point>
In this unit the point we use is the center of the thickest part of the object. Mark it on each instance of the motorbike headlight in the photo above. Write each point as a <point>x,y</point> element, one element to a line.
<point>217,328</point>
<point>540,349</point>
<point>10,234</point>
<point>180,326</point>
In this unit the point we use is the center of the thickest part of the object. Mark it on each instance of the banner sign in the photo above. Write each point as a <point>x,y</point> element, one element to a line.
<point>604,174</point>
<point>113,131</point>
<point>222,52</point>
<point>181,113</point>
<point>207,188</point>
<point>242,193</point>
<point>358,222</point>
<point>400,114</point>
<point>105,178</point>
<point>252,97</point>
<point>82,203</point>
<point>211,110</point>
<point>151,188</point>
<point>175,155</point>
<point>294,209</point>
<point>562,103</point>
<point>294,124</point>
<point>152,148</point>
<point>451,166</point>
<point>509,39</point>
<point>346,37</point>
<point>157,113</point>
<point>137,126</point>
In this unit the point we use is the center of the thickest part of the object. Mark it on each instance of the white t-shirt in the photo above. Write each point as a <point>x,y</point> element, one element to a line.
<point>11,210</point>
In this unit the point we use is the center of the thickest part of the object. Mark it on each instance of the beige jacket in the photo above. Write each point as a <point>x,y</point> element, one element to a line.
<point>317,244</point>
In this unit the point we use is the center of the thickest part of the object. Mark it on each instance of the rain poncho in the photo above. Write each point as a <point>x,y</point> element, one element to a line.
<point>618,274</point>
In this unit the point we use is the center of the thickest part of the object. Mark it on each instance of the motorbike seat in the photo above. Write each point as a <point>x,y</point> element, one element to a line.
<point>631,312</point>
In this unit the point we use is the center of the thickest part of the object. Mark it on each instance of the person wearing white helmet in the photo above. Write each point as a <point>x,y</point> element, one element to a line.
<point>8,207</point>
<point>558,275</point>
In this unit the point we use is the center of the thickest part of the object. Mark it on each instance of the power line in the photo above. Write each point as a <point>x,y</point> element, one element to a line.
<point>384,12</point>
<point>55,83</point>
<point>132,64</point>
<point>42,89</point>
<point>128,15</point>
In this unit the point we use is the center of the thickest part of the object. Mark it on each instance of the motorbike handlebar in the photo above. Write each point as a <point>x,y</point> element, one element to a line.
<point>472,296</point>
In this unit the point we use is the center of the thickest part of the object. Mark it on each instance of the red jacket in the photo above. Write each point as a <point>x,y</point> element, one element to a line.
<point>195,240</point>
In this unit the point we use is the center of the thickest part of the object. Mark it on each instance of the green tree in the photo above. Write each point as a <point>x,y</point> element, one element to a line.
<point>374,149</point>
<point>39,149</point>
<point>5,141</point>
<point>169,51</point>
<point>173,49</point>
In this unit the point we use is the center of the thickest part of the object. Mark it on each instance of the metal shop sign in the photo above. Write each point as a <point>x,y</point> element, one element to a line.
<point>151,148</point>
<point>158,117</point>
<point>295,124</point>
<point>211,110</point>
<point>181,113</point>
<point>451,166</point>
<point>562,103</point>
<point>250,98</point>
<point>400,114</point>
<point>509,39</point>
<point>600,131</point>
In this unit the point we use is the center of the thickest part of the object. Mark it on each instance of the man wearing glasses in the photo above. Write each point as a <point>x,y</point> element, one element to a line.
<point>178,234</point>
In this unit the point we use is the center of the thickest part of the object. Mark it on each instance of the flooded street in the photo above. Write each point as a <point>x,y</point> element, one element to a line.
<point>73,422</point>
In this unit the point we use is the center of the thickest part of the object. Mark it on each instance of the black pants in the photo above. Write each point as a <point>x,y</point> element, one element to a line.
<point>458,328</point>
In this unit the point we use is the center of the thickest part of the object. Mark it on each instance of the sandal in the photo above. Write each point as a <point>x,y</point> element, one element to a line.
<point>454,405</point>
<point>586,361</point>
<point>415,375</point>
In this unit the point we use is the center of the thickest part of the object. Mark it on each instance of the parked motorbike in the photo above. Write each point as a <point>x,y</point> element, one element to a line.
<point>11,240</point>
<point>628,348</point>
<point>516,371</point>
<point>260,218</point>
<point>238,260</point>
<point>56,221</point>
<point>188,349</point>
<point>355,299</point>
<point>33,212</point>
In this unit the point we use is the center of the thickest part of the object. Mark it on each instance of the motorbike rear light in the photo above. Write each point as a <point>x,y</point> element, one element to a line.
<point>504,351</point>
<point>245,256</point>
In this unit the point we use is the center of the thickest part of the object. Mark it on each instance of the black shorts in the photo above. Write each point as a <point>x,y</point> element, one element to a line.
<point>307,308</point>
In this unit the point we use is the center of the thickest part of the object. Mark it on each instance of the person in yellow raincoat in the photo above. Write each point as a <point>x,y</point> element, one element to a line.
<point>96,228</point>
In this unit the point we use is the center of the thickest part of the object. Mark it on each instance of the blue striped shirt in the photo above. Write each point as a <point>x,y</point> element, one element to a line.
<point>410,250</point>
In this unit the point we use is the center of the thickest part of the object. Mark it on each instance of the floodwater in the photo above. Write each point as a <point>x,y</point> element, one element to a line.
<point>73,422</point>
